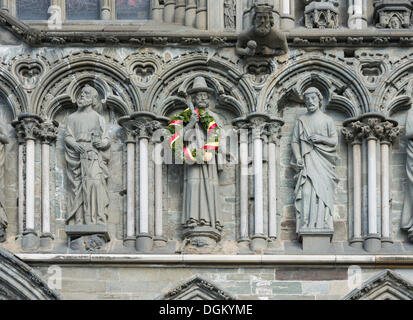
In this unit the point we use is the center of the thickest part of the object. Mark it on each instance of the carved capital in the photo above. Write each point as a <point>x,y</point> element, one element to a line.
<point>389,131</point>
<point>48,131</point>
<point>274,130</point>
<point>27,127</point>
<point>355,131</point>
<point>129,125</point>
<point>372,129</point>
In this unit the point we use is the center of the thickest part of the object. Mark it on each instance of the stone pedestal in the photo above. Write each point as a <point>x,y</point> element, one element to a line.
<point>46,241</point>
<point>159,242</point>
<point>203,236</point>
<point>316,241</point>
<point>129,242</point>
<point>258,242</point>
<point>356,242</point>
<point>30,240</point>
<point>92,237</point>
<point>372,243</point>
<point>144,242</point>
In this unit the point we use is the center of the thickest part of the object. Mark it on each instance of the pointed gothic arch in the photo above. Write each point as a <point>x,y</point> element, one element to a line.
<point>197,288</point>
<point>19,282</point>
<point>387,285</point>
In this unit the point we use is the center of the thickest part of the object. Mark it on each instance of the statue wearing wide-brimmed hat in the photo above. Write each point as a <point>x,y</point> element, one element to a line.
<point>201,210</point>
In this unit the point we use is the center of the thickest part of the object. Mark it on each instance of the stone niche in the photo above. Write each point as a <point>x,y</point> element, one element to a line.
<point>321,15</point>
<point>393,14</point>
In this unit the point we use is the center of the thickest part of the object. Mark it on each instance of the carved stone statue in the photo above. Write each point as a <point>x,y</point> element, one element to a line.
<point>407,214</point>
<point>87,145</point>
<point>3,217</point>
<point>201,209</point>
<point>230,14</point>
<point>314,146</point>
<point>262,38</point>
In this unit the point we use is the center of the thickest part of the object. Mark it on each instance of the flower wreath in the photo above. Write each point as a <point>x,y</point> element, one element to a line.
<point>191,155</point>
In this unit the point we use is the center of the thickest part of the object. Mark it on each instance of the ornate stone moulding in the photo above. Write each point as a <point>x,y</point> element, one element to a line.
<point>196,288</point>
<point>130,38</point>
<point>29,285</point>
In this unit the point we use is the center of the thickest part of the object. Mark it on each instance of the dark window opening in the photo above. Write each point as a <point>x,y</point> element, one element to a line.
<point>132,9</point>
<point>83,9</point>
<point>32,9</point>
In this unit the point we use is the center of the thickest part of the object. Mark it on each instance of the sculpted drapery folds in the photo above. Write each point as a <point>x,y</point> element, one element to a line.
<point>407,215</point>
<point>3,217</point>
<point>314,145</point>
<point>87,145</point>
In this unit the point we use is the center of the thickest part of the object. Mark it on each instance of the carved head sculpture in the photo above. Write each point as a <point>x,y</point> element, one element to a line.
<point>263,20</point>
<point>200,93</point>
<point>88,97</point>
<point>394,23</point>
<point>313,99</point>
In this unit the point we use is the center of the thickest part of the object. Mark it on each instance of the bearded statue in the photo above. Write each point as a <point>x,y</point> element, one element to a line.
<point>262,38</point>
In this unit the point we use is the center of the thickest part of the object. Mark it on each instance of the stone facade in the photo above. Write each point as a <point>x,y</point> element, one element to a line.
<point>256,60</point>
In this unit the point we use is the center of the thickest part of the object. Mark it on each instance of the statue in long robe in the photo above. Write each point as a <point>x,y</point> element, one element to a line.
<point>407,214</point>
<point>314,146</point>
<point>3,217</point>
<point>201,195</point>
<point>87,144</point>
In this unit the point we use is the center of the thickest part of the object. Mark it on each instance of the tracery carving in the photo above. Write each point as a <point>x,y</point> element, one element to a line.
<point>322,14</point>
<point>393,14</point>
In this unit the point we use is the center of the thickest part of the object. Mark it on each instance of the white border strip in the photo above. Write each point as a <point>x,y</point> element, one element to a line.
<point>214,259</point>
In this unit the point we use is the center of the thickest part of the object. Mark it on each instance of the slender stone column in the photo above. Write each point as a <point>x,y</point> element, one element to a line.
<point>357,14</point>
<point>372,242</point>
<point>157,11</point>
<point>273,130</point>
<point>159,239</point>
<point>28,127</point>
<point>145,123</point>
<point>389,132</point>
<point>128,124</point>
<point>353,134</point>
<point>169,11</point>
<point>48,135</point>
<point>4,5</point>
<point>180,12</point>
<point>201,15</point>
<point>105,13</point>
<point>190,13</point>
<point>258,122</point>
<point>20,176</point>
<point>243,131</point>
<point>287,14</point>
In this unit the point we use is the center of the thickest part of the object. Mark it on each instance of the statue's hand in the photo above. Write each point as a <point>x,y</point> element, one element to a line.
<point>98,144</point>
<point>316,138</point>
<point>78,148</point>
<point>300,164</point>
<point>251,47</point>
<point>268,51</point>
